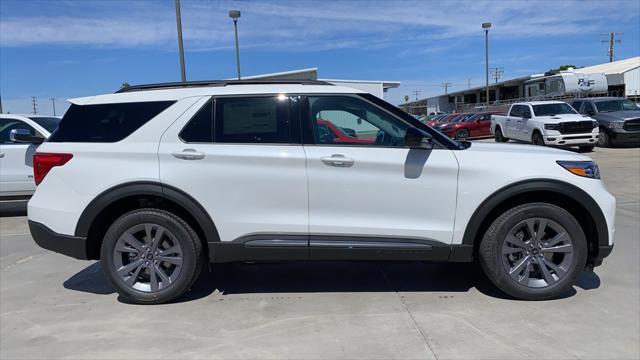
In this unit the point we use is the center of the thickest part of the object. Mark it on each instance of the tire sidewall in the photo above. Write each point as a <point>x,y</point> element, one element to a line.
<point>537,139</point>
<point>462,131</point>
<point>569,223</point>
<point>603,138</point>
<point>189,254</point>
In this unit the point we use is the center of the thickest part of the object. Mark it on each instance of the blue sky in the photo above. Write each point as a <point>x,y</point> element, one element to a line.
<point>63,49</point>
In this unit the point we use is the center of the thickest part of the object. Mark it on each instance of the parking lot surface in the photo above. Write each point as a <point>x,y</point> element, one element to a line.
<point>52,306</point>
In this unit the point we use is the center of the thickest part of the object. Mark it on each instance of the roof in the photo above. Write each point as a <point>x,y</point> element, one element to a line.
<point>173,94</point>
<point>310,73</point>
<point>385,84</point>
<point>598,98</point>
<point>616,67</point>
<point>540,102</point>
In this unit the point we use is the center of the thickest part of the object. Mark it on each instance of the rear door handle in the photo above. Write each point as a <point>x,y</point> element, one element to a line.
<point>188,154</point>
<point>337,160</point>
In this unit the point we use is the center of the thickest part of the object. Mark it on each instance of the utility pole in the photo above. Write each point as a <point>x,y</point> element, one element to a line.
<point>611,41</point>
<point>416,93</point>
<point>496,73</point>
<point>469,83</point>
<point>183,75</point>
<point>34,103</point>
<point>53,102</point>
<point>235,15</point>
<point>1,104</point>
<point>446,85</point>
<point>486,26</point>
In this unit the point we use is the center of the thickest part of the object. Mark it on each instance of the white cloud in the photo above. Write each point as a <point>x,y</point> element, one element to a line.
<point>305,25</point>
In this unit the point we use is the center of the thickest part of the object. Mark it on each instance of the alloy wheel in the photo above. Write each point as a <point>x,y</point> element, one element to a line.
<point>148,257</point>
<point>537,252</point>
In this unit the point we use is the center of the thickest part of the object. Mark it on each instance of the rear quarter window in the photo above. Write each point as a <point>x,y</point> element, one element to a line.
<point>105,122</point>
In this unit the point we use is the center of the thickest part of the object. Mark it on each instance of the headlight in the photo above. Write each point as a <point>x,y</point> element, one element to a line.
<point>615,125</point>
<point>581,168</point>
<point>594,124</point>
<point>552,126</point>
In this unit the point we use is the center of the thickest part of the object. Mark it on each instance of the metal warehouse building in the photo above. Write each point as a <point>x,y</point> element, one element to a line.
<point>623,79</point>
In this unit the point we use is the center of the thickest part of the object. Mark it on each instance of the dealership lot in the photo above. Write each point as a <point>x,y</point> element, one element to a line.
<point>52,306</point>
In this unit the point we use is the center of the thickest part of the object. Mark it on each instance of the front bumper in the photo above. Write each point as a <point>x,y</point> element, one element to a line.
<point>558,139</point>
<point>622,136</point>
<point>46,238</point>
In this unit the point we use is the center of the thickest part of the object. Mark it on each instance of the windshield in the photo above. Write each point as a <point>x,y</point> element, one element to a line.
<point>49,123</point>
<point>615,105</point>
<point>553,109</point>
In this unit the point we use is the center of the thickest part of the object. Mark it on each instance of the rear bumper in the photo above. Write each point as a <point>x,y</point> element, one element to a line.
<point>46,238</point>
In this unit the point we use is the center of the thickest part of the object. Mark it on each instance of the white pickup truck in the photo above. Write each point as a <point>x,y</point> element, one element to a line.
<point>553,123</point>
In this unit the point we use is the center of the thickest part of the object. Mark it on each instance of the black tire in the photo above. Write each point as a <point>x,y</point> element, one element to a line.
<point>537,139</point>
<point>499,137</point>
<point>493,262</point>
<point>462,134</point>
<point>190,252</point>
<point>604,140</point>
<point>586,148</point>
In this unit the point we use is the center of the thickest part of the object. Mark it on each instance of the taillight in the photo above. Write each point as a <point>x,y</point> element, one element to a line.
<point>43,162</point>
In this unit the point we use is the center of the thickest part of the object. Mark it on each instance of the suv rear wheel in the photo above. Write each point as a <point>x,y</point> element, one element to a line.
<point>534,251</point>
<point>151,256</point>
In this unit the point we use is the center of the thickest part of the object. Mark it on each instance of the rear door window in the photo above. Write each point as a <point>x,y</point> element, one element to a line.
<point>105,122</point>
<point>252,120</point>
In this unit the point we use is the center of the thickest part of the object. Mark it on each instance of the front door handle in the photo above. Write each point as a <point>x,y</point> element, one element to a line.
<point>1,154</point>
<point>337,160</point>
<point>188,154</point>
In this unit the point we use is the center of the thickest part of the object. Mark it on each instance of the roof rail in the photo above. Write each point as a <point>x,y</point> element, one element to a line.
<point>205,83</point>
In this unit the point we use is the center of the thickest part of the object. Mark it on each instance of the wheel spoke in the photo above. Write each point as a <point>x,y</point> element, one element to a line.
<point>542,226</point>
<point>545,272</point>
<point>131,240</point>
<point>559,270</point>
<point>125,270</point>
<point>175,260</point>
<point>511,250</point>
<point>516,269</point>
<point>524,279</point>
<point>530,229</point>
<point>163,276</point>
<point>147,231</point>
<point>172,250</point>
<point>512,239</point>
<point>153,278</point>
<point>558,249</point>
<point>132,279</point>
<point>156,239</point>
<point>122,247</point>
<point>556,239</point>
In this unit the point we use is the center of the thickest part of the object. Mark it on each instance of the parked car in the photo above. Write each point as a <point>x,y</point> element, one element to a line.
<point>475,126</point>
<point>618,119</point>
<point>19,137</point>
<point>331,134</point>
<point>553,123</point>
<point>443,119</point>
<point>157,180</point>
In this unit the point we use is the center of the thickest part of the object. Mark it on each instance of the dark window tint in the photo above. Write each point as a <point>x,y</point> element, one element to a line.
<point>49,123</point>
<point>576,105</point>
<point>552,109</point>
<point>6,125</point>
<point>105,122</point>
<point>252,120</point>
<point>589,109</point>
<point>200,127</point>
<point>517,110</point>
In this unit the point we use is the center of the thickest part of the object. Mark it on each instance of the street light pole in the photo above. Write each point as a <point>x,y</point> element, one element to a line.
<point>486,26</point>
<point>53,102</point>
<point>183,76</point>
<point>235,15</point>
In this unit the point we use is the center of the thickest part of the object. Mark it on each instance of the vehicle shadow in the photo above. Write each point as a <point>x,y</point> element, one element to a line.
<point>10,208</point>
<point>326,276</point>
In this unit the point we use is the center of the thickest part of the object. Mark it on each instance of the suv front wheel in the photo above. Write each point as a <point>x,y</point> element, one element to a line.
<point>151,256</point>
<point>534,251</point>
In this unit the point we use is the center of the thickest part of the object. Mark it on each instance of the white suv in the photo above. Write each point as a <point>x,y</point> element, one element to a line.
<point>157,179</point>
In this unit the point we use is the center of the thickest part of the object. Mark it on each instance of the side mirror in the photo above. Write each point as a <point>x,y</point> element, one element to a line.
<point>526,114</point>
<point>590,112</point>
<point>24,136</point>
<point>417,139</point>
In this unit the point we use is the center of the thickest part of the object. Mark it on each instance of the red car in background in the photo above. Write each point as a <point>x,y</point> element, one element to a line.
<point>475,126</point>
<point>331,134</point>
<point>443,119</point>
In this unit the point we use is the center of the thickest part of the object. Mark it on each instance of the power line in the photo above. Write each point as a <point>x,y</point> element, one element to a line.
<point>446,85</point>
<point>612,40</point>
<point>34,103</point>
<point>496,73</point>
